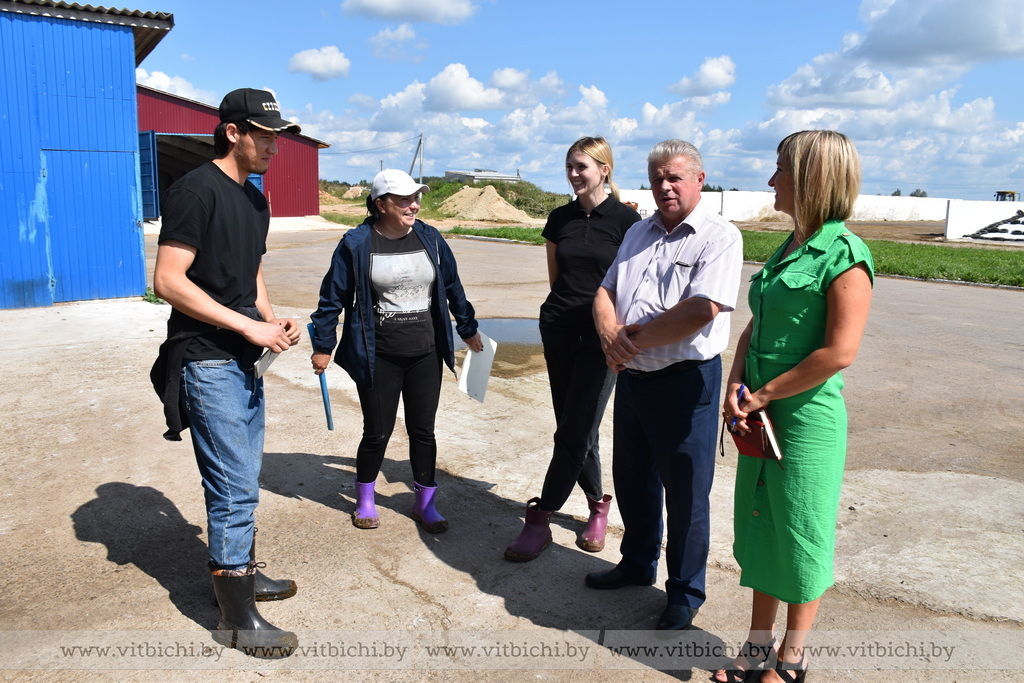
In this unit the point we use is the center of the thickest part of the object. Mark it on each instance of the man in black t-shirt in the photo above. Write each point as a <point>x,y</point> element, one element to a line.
<point>208,268</point>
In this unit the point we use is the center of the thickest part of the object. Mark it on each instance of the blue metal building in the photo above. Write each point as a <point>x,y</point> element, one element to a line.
<point>70,204</point>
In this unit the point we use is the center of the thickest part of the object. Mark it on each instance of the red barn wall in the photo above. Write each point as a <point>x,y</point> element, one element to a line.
<point>292,182</point>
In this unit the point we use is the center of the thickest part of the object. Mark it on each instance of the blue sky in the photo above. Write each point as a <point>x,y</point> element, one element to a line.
<point>930,91</point>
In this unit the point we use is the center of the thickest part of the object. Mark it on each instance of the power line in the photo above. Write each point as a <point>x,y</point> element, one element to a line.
<point>373,149</point>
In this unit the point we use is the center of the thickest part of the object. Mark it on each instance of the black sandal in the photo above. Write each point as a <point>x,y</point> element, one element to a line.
<point>753,656</point>
<point>792,673</point>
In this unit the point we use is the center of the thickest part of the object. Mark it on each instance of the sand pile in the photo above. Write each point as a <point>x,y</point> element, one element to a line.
<point>354,192</point>
<point>482,204</point>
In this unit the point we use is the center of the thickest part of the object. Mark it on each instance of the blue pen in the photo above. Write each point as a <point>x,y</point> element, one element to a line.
<point>739,397</point>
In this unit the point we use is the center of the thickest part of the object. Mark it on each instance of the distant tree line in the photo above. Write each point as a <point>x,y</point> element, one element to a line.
<point>915,193</point>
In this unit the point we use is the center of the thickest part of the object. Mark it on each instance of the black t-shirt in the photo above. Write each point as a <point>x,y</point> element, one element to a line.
<point>227,223</point>
<point>586,248</point>
<point>402,280</point>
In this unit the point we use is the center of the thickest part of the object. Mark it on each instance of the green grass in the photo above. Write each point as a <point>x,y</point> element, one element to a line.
<point>527,235</point>
<point>344,218</point>
<point>925,261</point>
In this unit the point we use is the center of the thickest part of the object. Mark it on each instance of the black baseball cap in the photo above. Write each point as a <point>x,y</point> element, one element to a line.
<point>258,107</point>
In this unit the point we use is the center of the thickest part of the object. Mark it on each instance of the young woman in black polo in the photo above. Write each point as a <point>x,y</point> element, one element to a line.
<point>582,239</point>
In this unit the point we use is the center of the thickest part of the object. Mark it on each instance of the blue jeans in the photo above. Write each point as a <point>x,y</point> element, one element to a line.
<point>224,405</point>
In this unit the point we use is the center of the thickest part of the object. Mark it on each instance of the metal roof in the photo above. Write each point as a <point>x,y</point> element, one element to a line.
<point>149,28</point>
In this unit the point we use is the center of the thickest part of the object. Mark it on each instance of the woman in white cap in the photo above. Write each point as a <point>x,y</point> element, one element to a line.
<point>395,279</point>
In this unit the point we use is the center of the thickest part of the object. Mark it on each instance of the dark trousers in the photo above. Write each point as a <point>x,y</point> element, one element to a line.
<point>665,450</point>
<point>580,386</point>
<point>417,379</point>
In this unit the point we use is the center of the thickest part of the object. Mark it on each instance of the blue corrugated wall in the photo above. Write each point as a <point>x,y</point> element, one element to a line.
<point>70,212</point>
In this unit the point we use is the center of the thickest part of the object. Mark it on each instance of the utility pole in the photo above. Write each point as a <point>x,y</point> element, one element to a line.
<point>417,153</point>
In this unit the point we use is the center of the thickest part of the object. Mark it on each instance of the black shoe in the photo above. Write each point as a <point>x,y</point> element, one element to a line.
<point>615,578</point>
<point>676,618</point>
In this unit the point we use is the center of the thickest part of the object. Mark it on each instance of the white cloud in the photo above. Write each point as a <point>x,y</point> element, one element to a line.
<point>894,89</point>
<point>400,111</point>
<point>176,85</point>
<point>454,89</point>
<point>432,11</point>
<point>390,44</point>
<point>363,101</point>
<point>961,33</point>
<point>324,64</point>
<point>716,73</point>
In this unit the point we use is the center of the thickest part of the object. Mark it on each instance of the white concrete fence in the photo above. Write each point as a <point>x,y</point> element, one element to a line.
<point>962,217</point>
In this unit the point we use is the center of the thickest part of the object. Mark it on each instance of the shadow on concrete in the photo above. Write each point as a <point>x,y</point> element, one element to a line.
<point>139,525</point>
<point>482,524</point>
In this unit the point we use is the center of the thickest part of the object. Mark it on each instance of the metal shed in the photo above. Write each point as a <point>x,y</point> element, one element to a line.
<point>179,133</point>
<point>70,218</point>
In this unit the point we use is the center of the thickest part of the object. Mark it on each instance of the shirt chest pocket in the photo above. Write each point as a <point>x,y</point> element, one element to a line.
<point>674,281</point>
<point>798,294</point>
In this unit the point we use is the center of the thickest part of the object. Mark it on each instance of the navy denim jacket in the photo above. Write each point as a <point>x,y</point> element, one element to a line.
<point>346,288</point>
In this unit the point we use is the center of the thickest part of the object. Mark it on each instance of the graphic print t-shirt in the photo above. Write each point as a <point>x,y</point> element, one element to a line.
<point>402,277</point>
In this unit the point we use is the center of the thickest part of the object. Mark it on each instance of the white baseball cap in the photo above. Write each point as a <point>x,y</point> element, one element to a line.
<point>394,181</point>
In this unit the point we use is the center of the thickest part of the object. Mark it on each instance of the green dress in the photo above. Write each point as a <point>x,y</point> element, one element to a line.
<point>785,519</point>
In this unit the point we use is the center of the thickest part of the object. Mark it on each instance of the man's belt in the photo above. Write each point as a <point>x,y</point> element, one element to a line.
<point>681,366</point>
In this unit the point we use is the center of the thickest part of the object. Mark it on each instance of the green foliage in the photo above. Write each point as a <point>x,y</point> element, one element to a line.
<point>334,188</point>
<point>151,297</point>
<point>925,261</point>
<point>918,193</point>
<point>522,195</point>
<point>897,193</point>
<point>529,198</point>
<point>440,190</point>
<point>711,188</point>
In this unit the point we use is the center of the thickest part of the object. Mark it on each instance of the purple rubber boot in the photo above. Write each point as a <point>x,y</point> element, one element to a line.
<point>365,515</point>
<point>535,536</point>
<point>592,538</point>
<point>423,509</point>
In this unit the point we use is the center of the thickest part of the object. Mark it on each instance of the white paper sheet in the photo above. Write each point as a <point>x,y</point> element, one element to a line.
<point>264,362</point>
<point>476,369</point>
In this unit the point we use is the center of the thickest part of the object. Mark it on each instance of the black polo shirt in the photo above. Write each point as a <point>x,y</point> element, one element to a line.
<point>586,248</point>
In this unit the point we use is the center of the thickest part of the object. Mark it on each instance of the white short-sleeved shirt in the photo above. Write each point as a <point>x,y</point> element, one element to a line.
<point>657,268</point>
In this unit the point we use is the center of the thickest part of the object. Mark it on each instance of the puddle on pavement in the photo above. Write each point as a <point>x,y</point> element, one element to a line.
<point>519,348</point>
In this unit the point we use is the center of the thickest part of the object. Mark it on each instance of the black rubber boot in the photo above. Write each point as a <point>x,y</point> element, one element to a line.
<point>241,626</point>
<point>266,588</point>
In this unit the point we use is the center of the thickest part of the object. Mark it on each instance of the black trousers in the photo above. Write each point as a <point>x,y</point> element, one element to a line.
<point>417,380</point>
<point>580,386</point>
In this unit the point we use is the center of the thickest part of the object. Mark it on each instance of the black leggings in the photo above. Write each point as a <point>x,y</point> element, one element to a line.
<point>417,379</point>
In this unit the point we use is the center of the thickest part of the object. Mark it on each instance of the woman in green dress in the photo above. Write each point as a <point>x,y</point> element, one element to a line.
<point>810,305</point>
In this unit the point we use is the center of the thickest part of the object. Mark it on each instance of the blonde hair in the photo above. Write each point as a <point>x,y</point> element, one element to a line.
<point>826,177</point>
<point>600,151</point>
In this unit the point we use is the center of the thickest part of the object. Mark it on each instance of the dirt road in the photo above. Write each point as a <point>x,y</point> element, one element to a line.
<point>102,521</point>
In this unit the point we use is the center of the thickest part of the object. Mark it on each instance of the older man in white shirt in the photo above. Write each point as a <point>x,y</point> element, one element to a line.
<point>662,313</point>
